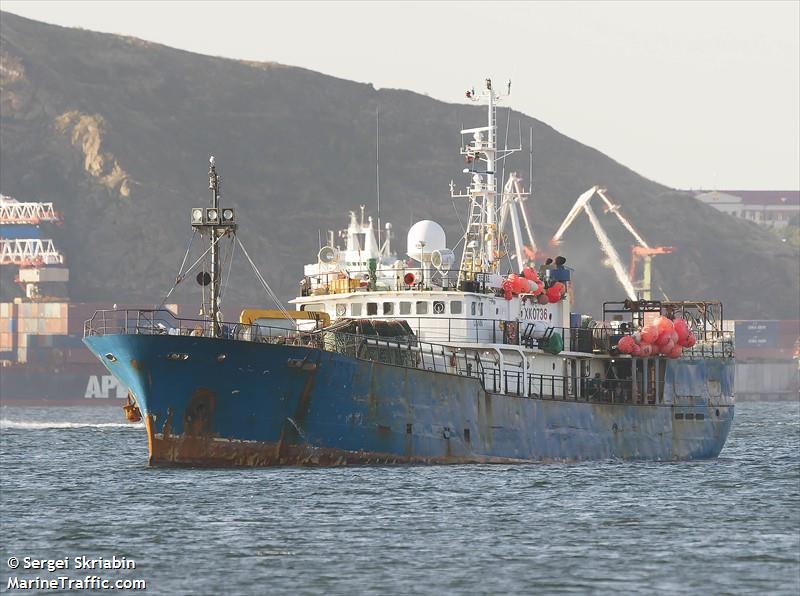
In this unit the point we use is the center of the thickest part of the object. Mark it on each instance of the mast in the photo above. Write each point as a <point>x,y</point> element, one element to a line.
<point>481,238</point>
<point>491,223</point>
<point>218,222</point>
<point>213,186</point>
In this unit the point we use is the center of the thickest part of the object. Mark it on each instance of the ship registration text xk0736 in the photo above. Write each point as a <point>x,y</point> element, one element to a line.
<point>420,359</point>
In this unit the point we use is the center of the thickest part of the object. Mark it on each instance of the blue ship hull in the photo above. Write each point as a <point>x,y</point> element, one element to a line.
<point>238,403</point>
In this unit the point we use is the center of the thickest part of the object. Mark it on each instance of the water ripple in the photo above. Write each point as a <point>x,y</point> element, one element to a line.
<point>75,481</point>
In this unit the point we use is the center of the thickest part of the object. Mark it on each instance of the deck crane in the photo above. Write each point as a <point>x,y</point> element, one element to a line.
<point>641,251</point>
<point>512,209</point>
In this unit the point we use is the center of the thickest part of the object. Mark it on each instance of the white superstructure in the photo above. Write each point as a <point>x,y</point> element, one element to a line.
<point>355,278</point>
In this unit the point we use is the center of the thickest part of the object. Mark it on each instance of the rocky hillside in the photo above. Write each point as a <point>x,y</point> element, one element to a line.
<point>117,131</point>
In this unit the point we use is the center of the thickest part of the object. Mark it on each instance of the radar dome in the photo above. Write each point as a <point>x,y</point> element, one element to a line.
<point>424,237</point>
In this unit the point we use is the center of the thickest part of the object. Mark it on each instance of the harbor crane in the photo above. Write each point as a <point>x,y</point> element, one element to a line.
<point>12,212</point>
<point>40,263</point>
<point>641,251</point>
<point>512,209</point>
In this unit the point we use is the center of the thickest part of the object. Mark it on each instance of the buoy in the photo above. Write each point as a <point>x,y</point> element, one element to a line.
<point>676,352</point>
<point>649,334</point>
<point>682,329</point>
<point>530,274</point>
<point>626,344</point>
<point>409,278</point>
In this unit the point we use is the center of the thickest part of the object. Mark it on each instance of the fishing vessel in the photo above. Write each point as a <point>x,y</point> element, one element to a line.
<point>422,358</point>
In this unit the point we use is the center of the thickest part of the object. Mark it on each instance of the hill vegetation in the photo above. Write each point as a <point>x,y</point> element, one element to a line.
<point>117,132</point>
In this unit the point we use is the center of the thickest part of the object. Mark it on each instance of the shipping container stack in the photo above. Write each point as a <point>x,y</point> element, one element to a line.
<point>28,330</point>
<point>767,366</point>
<point>8,346</point>
<point>48,333</point>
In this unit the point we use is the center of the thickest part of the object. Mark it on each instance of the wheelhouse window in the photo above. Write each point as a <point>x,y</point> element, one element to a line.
<point>313,307</point>
<point>422,307</point>
<point>456,307</point>
<point>405,308</point>
<point>372,308</point>
<point>388,308</point>
<point>472,308</point>
<point>355,309</point>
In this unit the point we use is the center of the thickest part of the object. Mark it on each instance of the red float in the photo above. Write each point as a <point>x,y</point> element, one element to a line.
<point>649,334</point>
<point>626,344</point>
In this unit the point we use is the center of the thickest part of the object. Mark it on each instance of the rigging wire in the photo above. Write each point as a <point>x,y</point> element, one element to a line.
<point>229,263</point>
<point>458,216</point>
<point>200,258</point>
<point>505,149</point>
<point>264,283</point>
<point>181,275</point>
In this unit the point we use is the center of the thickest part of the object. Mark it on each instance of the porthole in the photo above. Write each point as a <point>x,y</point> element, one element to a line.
<point>221,357</point>
<point>717,412</point>
<point>110,357</point>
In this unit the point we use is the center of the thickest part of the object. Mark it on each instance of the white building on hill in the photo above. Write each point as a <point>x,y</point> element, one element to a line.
<point>772,208</point>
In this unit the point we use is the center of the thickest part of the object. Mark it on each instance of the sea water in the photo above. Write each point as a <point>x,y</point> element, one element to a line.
<point>74,483</point>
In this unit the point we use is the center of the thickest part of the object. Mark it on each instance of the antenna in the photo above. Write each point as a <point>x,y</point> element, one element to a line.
<point>378,167</point>
<point>530,162</point>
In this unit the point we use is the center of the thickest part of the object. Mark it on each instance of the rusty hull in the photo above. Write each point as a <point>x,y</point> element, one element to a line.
<point>214,452</point>
<point>266,405</point>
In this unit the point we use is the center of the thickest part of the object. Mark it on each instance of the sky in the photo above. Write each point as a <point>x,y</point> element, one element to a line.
<point>689,94</point>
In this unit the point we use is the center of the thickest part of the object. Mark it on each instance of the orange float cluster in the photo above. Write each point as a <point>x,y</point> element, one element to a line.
<point>663,337</point>
<point>529,283</point>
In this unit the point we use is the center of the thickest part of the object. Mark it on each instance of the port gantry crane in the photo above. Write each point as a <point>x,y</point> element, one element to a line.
<point>641,251</point>
<point>20,245</point>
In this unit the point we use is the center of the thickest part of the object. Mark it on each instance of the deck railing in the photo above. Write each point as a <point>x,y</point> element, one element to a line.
<point>361,280</point>
<point>407,351</point>
<point>402,351</point>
